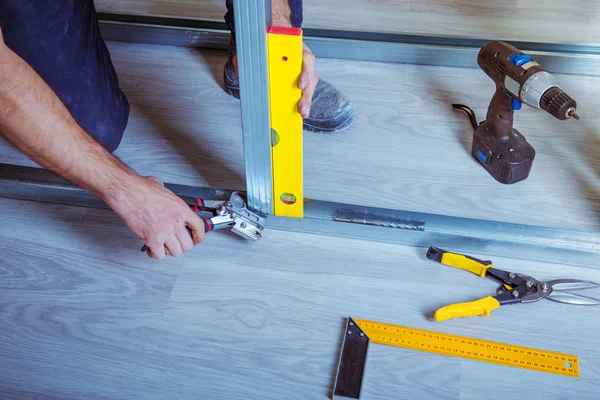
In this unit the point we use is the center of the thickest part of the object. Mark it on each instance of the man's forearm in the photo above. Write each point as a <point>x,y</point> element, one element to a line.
<point>34,119</point>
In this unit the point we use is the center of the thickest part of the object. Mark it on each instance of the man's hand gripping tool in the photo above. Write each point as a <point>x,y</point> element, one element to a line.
<point>232,213</point>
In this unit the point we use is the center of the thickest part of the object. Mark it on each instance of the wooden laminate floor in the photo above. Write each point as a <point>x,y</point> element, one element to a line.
<point>552,21</point>
<point>407,149</point>
<point>85,315</point>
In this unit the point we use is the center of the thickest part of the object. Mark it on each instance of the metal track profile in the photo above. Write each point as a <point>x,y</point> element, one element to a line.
<point>251,22</point>
<point>355,221</point>
<point>345,44</point>
<point>36,184</point>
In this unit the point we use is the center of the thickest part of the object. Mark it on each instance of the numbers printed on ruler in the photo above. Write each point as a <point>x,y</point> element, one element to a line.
<point>474,349</point>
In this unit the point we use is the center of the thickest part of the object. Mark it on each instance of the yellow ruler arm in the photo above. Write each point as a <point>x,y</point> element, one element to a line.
<point>284,48</point>
<point>471,348</point>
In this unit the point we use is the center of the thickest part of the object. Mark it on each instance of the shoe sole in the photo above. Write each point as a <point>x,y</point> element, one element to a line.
<point>349,120</point>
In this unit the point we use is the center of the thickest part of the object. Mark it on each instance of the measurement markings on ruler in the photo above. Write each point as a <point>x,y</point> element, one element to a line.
<point>440,343</point>
<point>471,348</point>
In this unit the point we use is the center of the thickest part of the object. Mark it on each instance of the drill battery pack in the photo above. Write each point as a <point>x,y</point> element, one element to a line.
<point>508,159</point>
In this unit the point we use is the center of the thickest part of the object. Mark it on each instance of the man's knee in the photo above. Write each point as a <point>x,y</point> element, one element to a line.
<point>107,123</point>
<point>74,62</point>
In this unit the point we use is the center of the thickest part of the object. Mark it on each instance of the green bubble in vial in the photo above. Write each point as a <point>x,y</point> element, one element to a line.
<point>274,137</point>
<point>288,198</point>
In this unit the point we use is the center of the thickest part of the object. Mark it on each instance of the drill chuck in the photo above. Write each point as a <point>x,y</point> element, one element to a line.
<point>559,104</point>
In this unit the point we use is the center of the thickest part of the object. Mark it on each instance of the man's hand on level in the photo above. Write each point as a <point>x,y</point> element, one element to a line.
<point>158,217</point>
<point>308,78</point>
<point>282,16</point>
<point>307,81</point>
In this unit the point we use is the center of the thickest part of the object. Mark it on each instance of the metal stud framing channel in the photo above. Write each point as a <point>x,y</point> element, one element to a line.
<point>390,226</point>
<point>356,45</point>
<point>35,184</point>
<point>251,21</point>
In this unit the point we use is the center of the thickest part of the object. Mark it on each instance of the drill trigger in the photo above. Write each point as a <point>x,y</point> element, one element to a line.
<point>515,103</point>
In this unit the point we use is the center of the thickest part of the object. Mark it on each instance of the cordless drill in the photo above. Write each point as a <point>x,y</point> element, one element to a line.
<point>498,147</point>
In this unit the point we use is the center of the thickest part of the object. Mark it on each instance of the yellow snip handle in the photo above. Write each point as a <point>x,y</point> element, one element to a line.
<point>470,309</point>
<point>471,264</point>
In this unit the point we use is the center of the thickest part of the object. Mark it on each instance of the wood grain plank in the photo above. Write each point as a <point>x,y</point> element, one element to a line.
<point>510,20</point>
<point>96,356</point>
<point>473,385</point>
<point>18,394</point>
<point>78,315</point>
<point>100,232</point>
<point>78,259</point>
<point>184,123</point>
<point>574,22</point>
<point>302,281</point>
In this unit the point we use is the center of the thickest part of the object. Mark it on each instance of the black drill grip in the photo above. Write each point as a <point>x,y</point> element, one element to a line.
<point>500,115</point>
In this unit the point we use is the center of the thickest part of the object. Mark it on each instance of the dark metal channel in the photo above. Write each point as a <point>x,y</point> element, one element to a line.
<point>35,184</point>
<point>421,230</point>
<point>385,37</point>
<point>155,30</point>
<point>347,44</point>
<point>164,21</point>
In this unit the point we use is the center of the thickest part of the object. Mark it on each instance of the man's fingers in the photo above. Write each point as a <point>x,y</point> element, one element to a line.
<point>173,246</point>
<point>157,252</point>
<point>183,235</point>
<point>308,70</point>
<point>308,61</point>
<point>196,224</point>
<point>307,82</point>
<point>304,79</point>
<point>306,101</point>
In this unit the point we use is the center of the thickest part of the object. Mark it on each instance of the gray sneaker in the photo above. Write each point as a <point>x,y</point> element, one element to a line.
<point>330,110</point>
